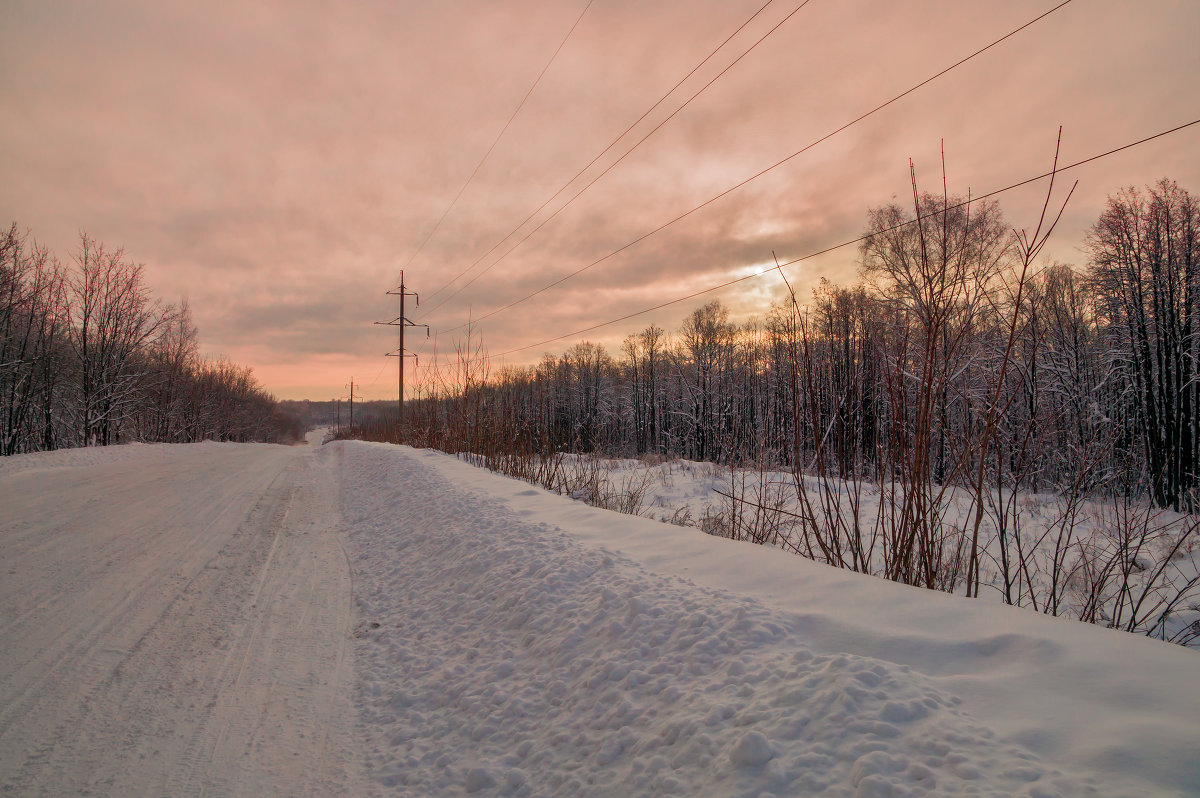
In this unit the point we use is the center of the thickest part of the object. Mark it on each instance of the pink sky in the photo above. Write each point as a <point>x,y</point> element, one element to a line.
<point>278,163</point>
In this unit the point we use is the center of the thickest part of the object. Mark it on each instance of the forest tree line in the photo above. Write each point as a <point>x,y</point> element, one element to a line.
<point>88,357</point>
<point>959,357</point>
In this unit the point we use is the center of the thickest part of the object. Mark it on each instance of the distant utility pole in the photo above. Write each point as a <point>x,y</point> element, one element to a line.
<point>401,322</point>
<point>351,386</point>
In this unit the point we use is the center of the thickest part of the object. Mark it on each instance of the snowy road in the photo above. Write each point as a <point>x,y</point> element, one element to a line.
<point>364,619</point>
<point>174,623</point>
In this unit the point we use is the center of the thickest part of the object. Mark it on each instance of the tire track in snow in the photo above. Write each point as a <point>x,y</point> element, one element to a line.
<point>231,676</point>
<point>112,570</point>
<point>234,634</point>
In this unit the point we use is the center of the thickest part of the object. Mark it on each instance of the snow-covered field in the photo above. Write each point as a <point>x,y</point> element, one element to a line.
<point>369,619</point>
<point>1128,565</point>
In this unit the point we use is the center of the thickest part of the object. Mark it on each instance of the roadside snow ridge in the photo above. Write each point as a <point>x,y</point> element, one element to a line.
<point>501,657</point>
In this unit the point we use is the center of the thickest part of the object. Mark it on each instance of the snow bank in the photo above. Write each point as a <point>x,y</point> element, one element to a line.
<point>514,642</point>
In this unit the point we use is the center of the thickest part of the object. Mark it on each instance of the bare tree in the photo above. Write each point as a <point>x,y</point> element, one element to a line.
<point>936,269</point>
<point>174,362</point>
<point>113,319</point>
<point>30,329</point>
<point>643,361</point>
<point>707,339</point>
<point>1145,253</point>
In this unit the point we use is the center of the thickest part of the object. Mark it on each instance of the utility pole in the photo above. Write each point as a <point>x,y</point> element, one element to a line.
<point>401,322</point>
<point>351,386</point>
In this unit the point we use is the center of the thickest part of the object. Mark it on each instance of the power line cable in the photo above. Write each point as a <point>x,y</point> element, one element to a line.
<point>851,242</point>
<point>601,154</point>
<point>499,136</point>
<point>610,167</point>
<point>770,168</point>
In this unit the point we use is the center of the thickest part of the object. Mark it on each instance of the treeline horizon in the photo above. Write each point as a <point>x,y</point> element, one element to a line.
<point>88,357</point>
<point>958,356</point>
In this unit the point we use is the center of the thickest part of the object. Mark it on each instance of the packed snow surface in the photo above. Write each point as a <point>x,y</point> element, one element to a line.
<point>370,619</point>
<point>175,622</point>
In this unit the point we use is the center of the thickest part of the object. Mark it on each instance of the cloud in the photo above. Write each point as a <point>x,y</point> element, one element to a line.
<point>279,163</point>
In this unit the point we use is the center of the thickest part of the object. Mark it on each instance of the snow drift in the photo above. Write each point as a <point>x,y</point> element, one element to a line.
<point>515,642</point>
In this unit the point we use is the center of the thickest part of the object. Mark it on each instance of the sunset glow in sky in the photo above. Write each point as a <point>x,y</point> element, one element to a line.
<point>278,163</point>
